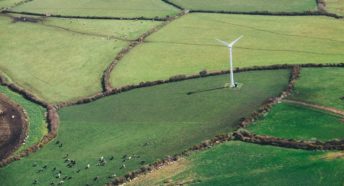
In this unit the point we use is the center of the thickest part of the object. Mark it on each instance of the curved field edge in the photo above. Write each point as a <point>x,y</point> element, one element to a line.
<point>325,89</point>
<point>54,77</point>
<point>37,126</point>
<point>195,49</point>
<point>248,164</point>
<point>290,121</point>
<point>52,153</point>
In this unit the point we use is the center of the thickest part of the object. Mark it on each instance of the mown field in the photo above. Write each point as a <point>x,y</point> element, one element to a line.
<point>335,6</point>
<point>8,3</point>
<point>140,126</point>
<point>238,163</point>
<point>113,8</point>
<point>37,123</point>
<point>184,47</point>
<point>298,122</point>
<point>323,86</point>
<point>248,5</point>
<point>62,59</point>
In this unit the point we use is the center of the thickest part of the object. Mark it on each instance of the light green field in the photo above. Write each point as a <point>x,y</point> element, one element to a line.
<point>188,45</point>
<point>148,122</point>
<point>248,5</point>
<point>62,59</point>
<point>8,3</point>
<point>335,6</point>
<point>322,86</point>
<point>113,8</point>
<point>299,122</point>
<point>238,163</point>
<point>37,124</point>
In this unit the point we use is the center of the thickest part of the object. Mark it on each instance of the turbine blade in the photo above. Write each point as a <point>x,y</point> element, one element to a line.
<point>223,42</point>
<point>235,41</point>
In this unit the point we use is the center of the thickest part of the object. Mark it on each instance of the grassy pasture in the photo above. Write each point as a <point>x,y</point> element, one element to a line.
<point>8,3</point>
<point>37,123</point>
<point>298,122</point>
<point>248,5</point>
<point>238,163</point>
<point>188,45</point>
<point>335,6</point>
<point>150,122</point>
<point>323,86</point>
<point>62,59</point>
<point>113,8</point>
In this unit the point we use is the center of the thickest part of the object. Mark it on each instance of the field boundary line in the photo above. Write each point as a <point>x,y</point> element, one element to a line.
<point>183,77</point>
<point>15,5</point>
<point>173,4</point>
<point>319,3</point>
<point>294,74</point>
<point>246,136</point>
<point>86,17</point>
<point>106,84</point>
<point>315,106</point>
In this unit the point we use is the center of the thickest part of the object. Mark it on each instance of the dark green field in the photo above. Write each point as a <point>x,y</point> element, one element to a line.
<point>322,86</point>
<point>299,122</point>
<point>150,123</point>
<point>238,163</point>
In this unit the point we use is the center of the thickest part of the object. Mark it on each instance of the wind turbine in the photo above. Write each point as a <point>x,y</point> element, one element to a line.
<point>230,47</point>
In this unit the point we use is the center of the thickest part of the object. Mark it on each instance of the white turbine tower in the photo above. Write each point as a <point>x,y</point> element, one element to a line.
<point>230,47</point>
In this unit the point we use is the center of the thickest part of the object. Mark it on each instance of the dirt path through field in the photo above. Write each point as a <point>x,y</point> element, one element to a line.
<point>13,126</point>
<point>320,107</point>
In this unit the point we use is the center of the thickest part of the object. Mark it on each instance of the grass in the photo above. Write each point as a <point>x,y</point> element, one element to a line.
<point>188,45</point>
<point>113,8</point>
<point>323,86</point>
<point>298,122</point>
<point>149,122</point>
<point>238,163</point>
<point>37,123</point>
<point>335,6</point>
<point>248,5</point>
<point>8,3</point>
<point>63,59</point>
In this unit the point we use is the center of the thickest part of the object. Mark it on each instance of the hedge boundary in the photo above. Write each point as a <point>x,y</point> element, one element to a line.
<point>246,136</point>
<point>321,4</point>
<point>140,18</point>
<point>106,84</point>
<point>53,122</point>
<point>212,142</point>
<point>183,77</point>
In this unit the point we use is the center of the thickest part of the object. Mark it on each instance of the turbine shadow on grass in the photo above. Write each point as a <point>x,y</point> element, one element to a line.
<point>205,90</point>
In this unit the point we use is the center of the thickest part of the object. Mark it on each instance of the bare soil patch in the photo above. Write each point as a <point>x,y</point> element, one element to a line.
<point>13,126</point>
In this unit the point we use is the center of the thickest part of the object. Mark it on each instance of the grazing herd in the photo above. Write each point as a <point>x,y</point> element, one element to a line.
<point>60,178</point>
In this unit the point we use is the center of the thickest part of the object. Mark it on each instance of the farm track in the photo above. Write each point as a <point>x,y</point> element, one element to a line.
<point>315,106</point>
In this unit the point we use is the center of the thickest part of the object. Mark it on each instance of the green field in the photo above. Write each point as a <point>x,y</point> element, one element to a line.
<point>238,163</point>
<point>62,59</point>
<point>148,122</point>
<point>299,122</point>
<point>335,6</point>
<point>248,5</point>
<point>8,3</point>
<point>188,45</point>
<point>322,86</point>
<point>37,124</point>
<point>113,8</point>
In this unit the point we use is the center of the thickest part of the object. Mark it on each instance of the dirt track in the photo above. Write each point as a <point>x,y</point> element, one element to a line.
<point>13,126</point>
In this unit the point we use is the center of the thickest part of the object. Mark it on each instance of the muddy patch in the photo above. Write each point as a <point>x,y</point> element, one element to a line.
<point>13,127</point>
<point>26,19</point>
